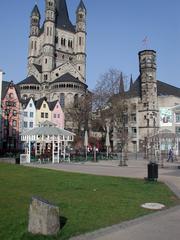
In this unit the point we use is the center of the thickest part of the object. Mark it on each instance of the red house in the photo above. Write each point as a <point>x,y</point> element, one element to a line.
<point>10,118</point>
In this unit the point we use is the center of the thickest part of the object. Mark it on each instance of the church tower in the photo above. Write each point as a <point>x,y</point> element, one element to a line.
<point>57,54</point>
<point>148,85</point>
<point>34,34</point>
<point>49,41</point>
<point>81,38</point>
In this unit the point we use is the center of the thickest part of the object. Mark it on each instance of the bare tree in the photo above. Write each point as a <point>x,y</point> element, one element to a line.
<point>111,106</point>
<point>79,115</point>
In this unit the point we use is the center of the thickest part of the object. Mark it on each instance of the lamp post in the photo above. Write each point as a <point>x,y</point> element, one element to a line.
<point>107,141</point>
<point>86,142</point>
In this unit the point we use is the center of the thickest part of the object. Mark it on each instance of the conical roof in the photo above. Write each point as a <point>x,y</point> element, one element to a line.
<point>35,11</point>
<point>81,6</point>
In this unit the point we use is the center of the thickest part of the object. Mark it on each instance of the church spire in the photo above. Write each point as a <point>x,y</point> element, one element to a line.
<point>131,83</point>
<point>81,6</point>
<point>121,85</point>
<point>35,11</point>
<point>62,20</point>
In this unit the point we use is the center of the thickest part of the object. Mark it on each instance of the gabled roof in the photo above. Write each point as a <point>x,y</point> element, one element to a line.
<point>62,19</point>
<point>67,77</point>
<point>6,85</point>
<point>52,105</point>
<point>39,102</point>
<point>29,80</point>
<point>25,102</point>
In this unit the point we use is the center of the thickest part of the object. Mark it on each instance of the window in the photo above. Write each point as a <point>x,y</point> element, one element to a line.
<point>134,132</point>
<point>133,117</point>
<point>31,124</point>
<point>178,117</point>
<point>46,62</point>
<point>14,113</point>
<point>54,115</point>
<point>25,124</point>
<point>8,103</point>
<point>14,123</point>
<point>76,101</point>
<point>46,115</point>
<point>6,123</point>
<point>62,99</point>
<point>44,105</point>
<point>11,95</point>
<point>58,115</point>
<point>79,68</point>
<point>25,114</point>
<point>7,111</point>
<point>63,41</point>
<point>45,77</point>
<point>14,132</point>
<point>80,41</point>
<point>177,130</point>
<point>31,114</point>
<point>42,115</point>
<point>56,39</point>
<point>30,105</point>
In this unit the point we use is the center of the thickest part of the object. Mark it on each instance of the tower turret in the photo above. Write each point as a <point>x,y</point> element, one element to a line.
<point>34,33</point>
<point>49,40</point>
<point>81,38</point>
<point>35,21</point>
<point>147,67</point>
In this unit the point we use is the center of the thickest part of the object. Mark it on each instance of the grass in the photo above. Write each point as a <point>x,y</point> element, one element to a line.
<point>86,202</point>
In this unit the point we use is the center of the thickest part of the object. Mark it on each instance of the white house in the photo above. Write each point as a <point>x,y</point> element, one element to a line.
<point>28,115</point>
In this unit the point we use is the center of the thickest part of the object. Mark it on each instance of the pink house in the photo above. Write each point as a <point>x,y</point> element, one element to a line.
<point>57,114</point>
<point>10,118</point>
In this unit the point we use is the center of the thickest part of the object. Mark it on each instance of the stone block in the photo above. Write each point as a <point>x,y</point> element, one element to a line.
<point>44,217</point>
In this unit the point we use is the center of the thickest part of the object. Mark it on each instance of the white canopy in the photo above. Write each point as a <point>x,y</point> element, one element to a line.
<point>48,132</point>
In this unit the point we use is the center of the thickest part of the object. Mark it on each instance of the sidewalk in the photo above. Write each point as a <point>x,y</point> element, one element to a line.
<point>163,225</point>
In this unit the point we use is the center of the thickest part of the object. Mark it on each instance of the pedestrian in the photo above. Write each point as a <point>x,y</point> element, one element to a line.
<point>170,155</point>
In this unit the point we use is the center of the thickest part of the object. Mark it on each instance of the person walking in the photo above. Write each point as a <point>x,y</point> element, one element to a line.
<point>170,155</point>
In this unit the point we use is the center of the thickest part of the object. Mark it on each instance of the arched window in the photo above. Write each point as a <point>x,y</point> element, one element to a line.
<point>35,45</point>
<point>62,100</point>
<point>47,31</point>
<point>80,41</point>
<point>56,39</point>
<point>62,41</point>
<point>76,101</point>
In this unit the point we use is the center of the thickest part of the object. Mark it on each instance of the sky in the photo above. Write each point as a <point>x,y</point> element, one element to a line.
<point>115,33</point>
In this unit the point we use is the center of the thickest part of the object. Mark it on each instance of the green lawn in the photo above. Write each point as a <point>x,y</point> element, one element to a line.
<point>86,202</point>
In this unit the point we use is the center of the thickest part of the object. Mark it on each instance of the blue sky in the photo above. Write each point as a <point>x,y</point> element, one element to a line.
<point>115,31</point>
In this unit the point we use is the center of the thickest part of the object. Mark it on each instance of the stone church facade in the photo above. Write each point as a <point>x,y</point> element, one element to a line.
<point>57,55</point>
<point>153,109</point>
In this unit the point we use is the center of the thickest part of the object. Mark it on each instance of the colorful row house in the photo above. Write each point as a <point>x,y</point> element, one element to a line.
<point>19,116</point>
<point>10,118</point>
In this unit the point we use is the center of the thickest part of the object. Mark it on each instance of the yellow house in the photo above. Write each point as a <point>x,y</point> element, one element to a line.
<point>43,112</point>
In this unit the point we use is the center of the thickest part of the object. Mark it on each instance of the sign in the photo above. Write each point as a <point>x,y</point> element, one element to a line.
<point>166,117</point>
<point>24,158</point>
